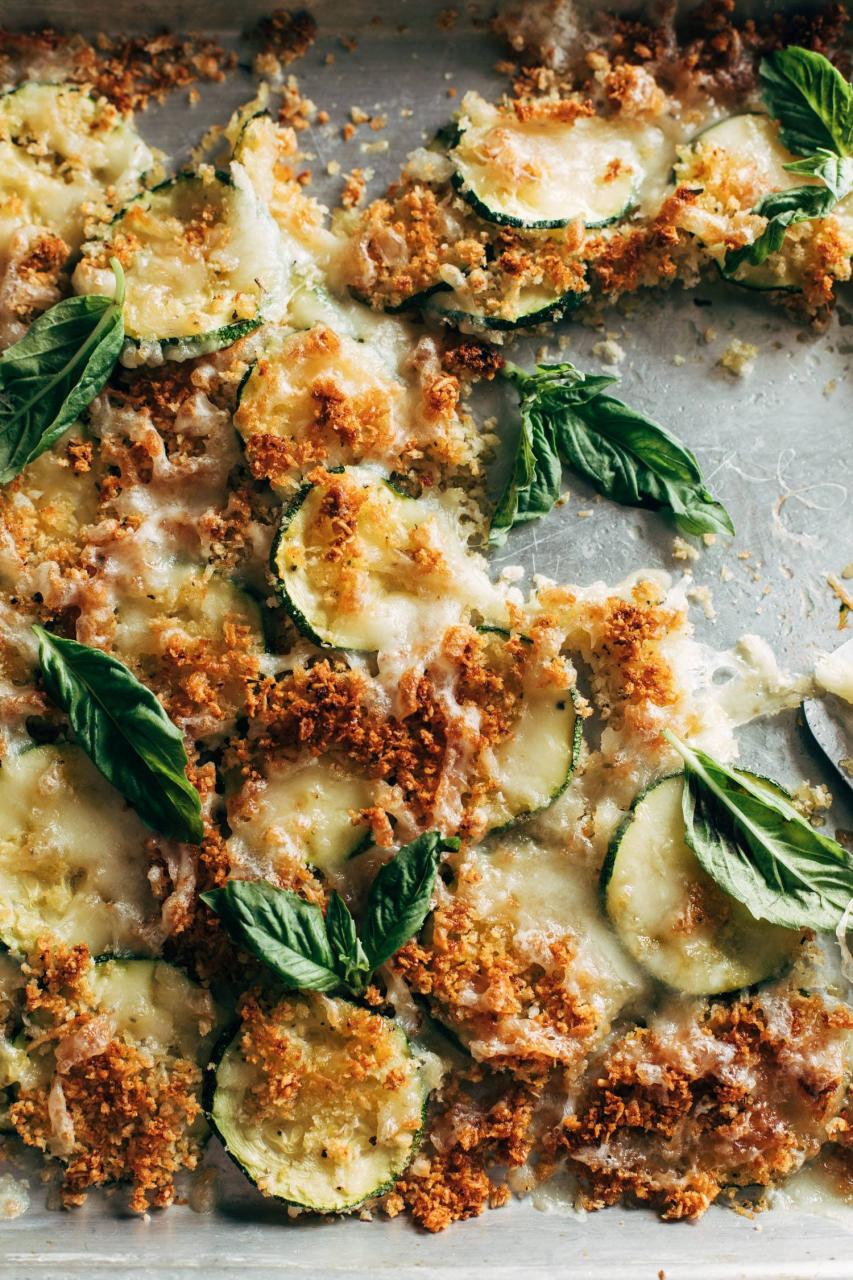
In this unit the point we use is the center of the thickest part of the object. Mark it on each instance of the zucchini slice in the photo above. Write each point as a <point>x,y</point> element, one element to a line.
<point>361,566</point>
<point>671,916</point>
<point>72,857</point>
<point>202,263</point>
<point>324,398</point>
<point>300,811</point>
<point>534,763</point>
<point>516,950</point>
<point>531,306</point>
<point>539,173</point>
<point>741,159</point>
<point>319,1102</point>
<point>61,150</point>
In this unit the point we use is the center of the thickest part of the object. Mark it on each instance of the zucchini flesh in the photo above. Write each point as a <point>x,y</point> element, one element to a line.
<point>202,264</point>
<point>60,150</point>
<point>534,763</point>
<point>742,158</point>
<point>184,600</point>
<point>671,916</point>
<point>156,1006</point>
<point>539,173</point>
<point>352,1108</point>
<point>152,1006</point>
<point>72,858</point>
<point>361,566</point>
<point>299,811</point>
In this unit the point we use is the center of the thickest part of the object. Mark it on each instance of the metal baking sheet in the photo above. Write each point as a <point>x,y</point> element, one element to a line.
<point>776,448</point>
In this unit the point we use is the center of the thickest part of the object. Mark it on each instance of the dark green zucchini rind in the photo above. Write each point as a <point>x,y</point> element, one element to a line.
<point>499,218</point>
<point>671,917</point>
<point>296,615</point>
<point>283,1155</point>
<point>540,313</point>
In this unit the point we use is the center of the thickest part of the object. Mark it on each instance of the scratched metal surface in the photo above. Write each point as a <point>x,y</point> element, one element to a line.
<point>776,448</point>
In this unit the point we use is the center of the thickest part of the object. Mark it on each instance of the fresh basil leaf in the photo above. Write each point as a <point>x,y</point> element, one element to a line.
<point>759,849</point>
<point>125,732</point>
<point>782,210</point>
<point>280,929</point>
<point>56,370</point>
<point>400,896</point>
<point>836,172</point>
<point>347,951</point>
<point>811,100</point>
<point>566,415</point>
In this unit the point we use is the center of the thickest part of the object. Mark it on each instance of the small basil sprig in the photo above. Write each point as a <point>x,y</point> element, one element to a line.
<point>759,849</point>
<point>56,370</point>
<point>125,732</point>
<point>566,417</point>
<point>308,951</point>
<point>813,104</point>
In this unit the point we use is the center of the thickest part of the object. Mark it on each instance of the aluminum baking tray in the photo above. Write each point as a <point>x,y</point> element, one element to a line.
<point>776,446</point>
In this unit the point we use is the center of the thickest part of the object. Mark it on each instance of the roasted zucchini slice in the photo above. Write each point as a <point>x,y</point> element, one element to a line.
<point>63,153</point>
<point>161,1026</point>
<point>299,811</point>
<point>73,865</point>
<point>202,263</point>
<point>534,763</point>
<point>671,916</point>
<point>743,158</point>
<point>535,170</point>
<point>532,306</point>
<point>322,397</point>
<point>320,1102</point>
<point>361,566</point>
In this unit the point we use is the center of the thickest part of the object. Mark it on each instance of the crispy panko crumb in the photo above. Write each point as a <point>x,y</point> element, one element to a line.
<point>449,1180</point>
<point>486,988</point>
<point>131,71</point>
<point>731,1094</point>
<point>118,1115</point>
<point>286,34</point>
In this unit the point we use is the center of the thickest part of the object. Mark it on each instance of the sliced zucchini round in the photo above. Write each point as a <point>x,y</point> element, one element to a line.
<point>742,158</point>
<point>531,306</point>
<point>534,763</point>
<point>540,173</point>
<point>202,263</point>
<point>325,398</point>
<point>61,150</point>
<point>361,566</point>
<point>320,1103</point>
<point>72,856</point>
<point>672,917</point>
<point>150,1005</point>
<point>300,811</point>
